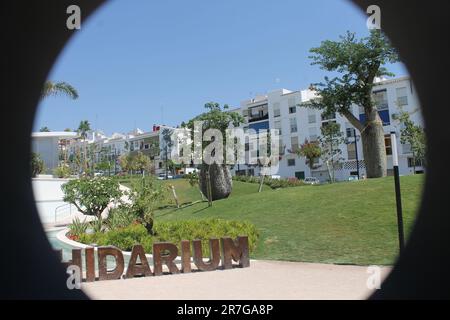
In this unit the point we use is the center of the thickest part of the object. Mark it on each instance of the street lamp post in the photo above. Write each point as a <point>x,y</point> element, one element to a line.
<point>398,197</point>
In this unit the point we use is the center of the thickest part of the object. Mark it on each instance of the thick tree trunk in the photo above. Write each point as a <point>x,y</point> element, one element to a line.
<point>221,182</point>
<point>374,149</point>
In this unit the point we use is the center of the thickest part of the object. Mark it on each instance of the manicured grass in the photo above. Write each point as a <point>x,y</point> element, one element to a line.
<point>345,223</point>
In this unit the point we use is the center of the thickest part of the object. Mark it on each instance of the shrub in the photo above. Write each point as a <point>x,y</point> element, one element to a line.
<point>77,228</point>
<point>96,224</point>
<point>205,229</point>
<point>120,217</point>
<point>271,182</point>
<point>37,164</point>
<point>147,193</point>
<point>123,238</point>
<point>174,231</point>
<point>62,171</point>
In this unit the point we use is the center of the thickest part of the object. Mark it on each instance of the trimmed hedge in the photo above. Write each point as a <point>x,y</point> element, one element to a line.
<point>174,232</point>
<point>271,182</point>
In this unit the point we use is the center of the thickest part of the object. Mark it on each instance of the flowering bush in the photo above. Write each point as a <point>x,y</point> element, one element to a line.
<point>91,196</point>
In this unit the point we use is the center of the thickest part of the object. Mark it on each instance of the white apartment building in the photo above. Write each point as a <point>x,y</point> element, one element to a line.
<point>101,147</point>
<point>278,110</point>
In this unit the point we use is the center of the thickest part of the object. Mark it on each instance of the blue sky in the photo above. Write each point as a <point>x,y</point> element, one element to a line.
<point>149,62</point>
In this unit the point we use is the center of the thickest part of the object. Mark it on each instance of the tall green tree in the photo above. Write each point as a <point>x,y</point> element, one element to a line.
<point>330,141</point>
<point>58,88</point>
<point>83,128</point>
<point>414,135</point>
<point>216,117</point>
<point>356,62</point>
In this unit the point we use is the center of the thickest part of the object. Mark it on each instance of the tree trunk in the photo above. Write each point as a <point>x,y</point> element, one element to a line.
<point>374,149</point>
<point>221,182</point>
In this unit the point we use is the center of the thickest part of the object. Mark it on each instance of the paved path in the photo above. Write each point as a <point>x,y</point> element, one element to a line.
<point>262,280</point>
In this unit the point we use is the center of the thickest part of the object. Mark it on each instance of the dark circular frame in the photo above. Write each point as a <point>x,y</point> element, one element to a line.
<point>34,33</point>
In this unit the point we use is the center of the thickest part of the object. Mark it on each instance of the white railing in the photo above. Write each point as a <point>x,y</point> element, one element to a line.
<point>63,208</point>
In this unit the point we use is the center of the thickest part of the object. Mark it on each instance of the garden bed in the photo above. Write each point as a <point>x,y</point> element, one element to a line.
<point>170,231</point>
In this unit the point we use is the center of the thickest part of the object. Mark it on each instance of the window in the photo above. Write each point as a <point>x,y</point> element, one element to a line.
<point>351,151</point>
<point>350,132</point>
<point>247,146</point>
<point>328,116</point>
<point>294,144</point>
<point>293,123</point>
<point>402,96</point>
<point>388,144</point>
<point>411,163</point>
<point>291,162</point>
<point>276,110</point>
<point>313,134</point>
<point>380,100</point>
<point>311,118</point>
<point>277,125</point>
<point>146,146</point>
<point>292,110</point>
<point>300,175</point>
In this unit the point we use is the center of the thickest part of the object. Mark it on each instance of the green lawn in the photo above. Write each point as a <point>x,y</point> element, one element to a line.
<point>345,223</point>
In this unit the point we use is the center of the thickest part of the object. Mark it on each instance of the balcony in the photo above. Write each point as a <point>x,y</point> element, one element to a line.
<point>258,113</point>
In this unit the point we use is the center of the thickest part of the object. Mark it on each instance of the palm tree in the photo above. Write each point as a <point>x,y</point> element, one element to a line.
<point>57,88</point>
<point>83,130</point>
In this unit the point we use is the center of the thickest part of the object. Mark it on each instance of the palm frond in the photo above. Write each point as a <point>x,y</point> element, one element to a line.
<point>58,88</point>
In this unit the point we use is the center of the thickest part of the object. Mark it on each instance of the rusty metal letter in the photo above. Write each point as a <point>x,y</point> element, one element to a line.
<point>135,269</point>
<point>159,259</point>
<point>237,252</point>
<point>214,253</point>
<point>185,256</point>
<point>90,264</point>
<point>103,273</point>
